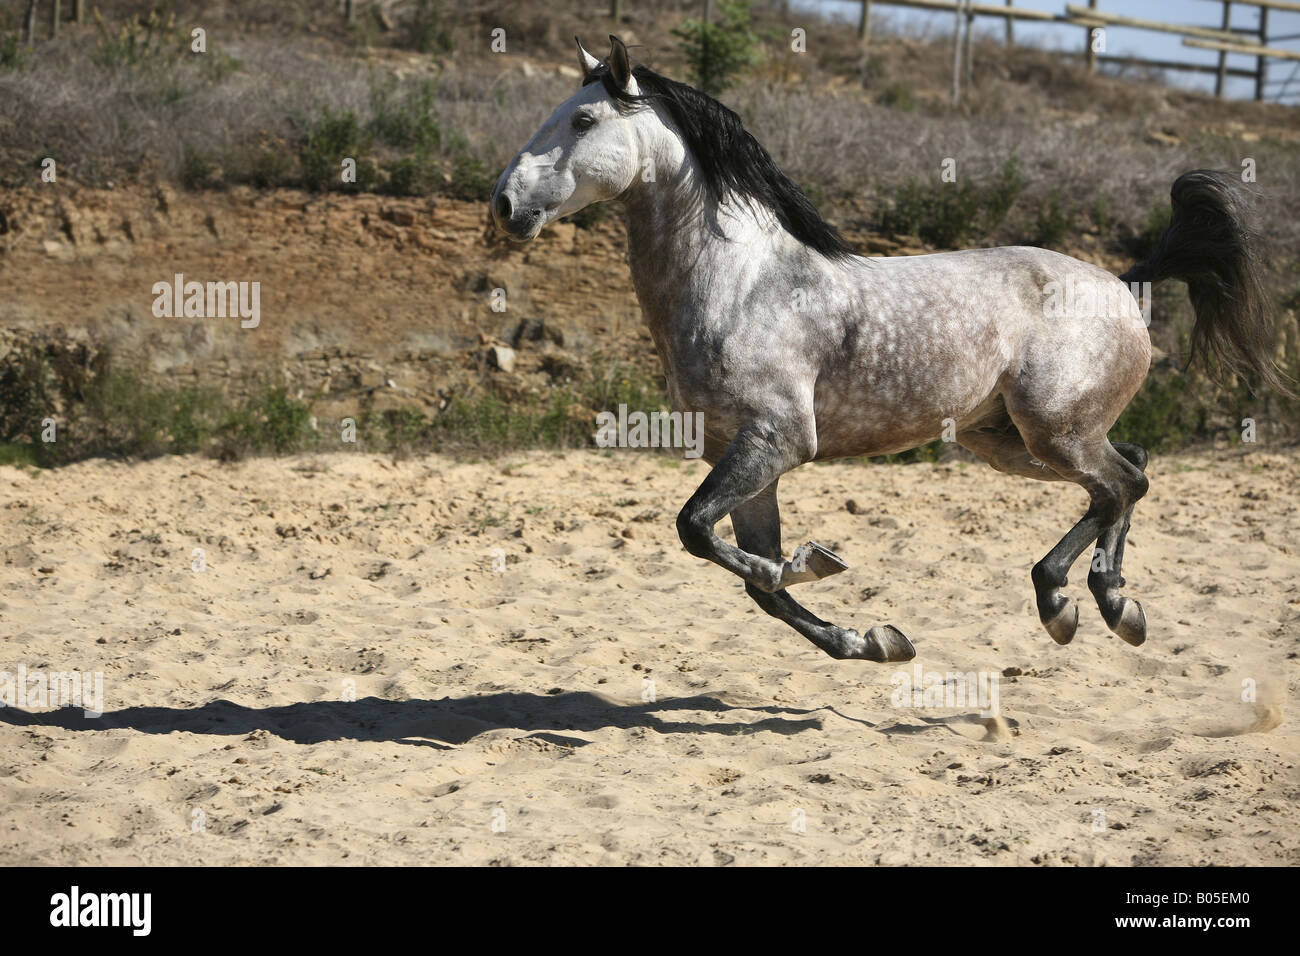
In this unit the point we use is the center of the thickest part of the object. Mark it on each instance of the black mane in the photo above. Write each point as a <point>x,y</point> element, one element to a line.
<point>730,159</point>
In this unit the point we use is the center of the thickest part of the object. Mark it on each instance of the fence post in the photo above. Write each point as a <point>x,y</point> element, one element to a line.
<point>970,30</point>
<point>79,11</point>
<point>54,18</point>
<point>349,13</point>
<point>864,38</point>
<point>956,55</point>
<point>1011,29</point>
<point>29,23</point>
<point>1261,62</point>
<point>1223,54</point>
<point>1089,53</point>
<point>616,10</point>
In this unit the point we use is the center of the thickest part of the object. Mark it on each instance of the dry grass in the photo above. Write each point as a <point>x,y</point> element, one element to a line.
<point>1104,150</point>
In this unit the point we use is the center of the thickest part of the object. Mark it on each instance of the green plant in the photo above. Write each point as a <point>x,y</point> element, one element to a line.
<point>1002,192</point>
<point>946,214</point>
<point>270,421</point>
<point>1142,244</point>
<point>426,32</point>
<point>333,138</point>
<point>140,43</point>
<point>1162,415</point>
<point>943,214</point>
<point>265,167</point>
<point>897,96</point>
<point>411,176</point>
<point>1101,219</point>
<point>931,452</point>
<point>1053,222</point>
<point>406,121</point>
<point>197,170</point>
<point>12,54</point>
<point>470,179</point>
<point>717,52</point>
<point>588,216</point>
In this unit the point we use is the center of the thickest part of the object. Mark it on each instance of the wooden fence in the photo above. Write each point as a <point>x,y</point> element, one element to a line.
<point>1225,39</point>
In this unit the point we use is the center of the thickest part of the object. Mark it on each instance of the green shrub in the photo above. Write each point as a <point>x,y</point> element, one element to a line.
<point>1164,414</point>
<point>198,171</point>
<point>1002,192</point>
<point>930,452</point>
<point>588,216</point>
<point>12,54</point>
<point>331,139</point>
<point>943,214</point>
<point>263,167</point>
<point>470,179</point>
<point>897,96</point>
<point>1053,222</point>
<point>140,43</point>
<point>717,52</point>
<point>1143,244</point>
<point>270,421</point>
<point>427,32</point>
<point>947,214</point>
<point>411,176</point>
<point>406,121</point>
<point>1101,219</point>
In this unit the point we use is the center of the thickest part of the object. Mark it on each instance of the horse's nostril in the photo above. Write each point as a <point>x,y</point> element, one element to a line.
<point>503,208</point>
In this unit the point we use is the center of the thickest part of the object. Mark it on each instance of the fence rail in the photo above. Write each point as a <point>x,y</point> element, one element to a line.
<point>1225,39</point>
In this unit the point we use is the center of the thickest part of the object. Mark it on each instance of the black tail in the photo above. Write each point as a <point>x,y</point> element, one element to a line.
<point>1210,245</point>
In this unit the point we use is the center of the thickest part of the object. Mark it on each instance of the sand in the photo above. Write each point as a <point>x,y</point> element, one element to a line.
<point>515,662</point>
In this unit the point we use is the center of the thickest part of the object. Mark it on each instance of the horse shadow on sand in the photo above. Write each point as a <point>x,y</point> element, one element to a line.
<point>444,723</point>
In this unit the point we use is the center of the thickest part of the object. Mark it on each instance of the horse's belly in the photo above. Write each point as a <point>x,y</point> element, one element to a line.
<point>884,416</point>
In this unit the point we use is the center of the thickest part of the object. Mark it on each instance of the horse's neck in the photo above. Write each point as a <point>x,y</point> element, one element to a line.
<point>689,257</point>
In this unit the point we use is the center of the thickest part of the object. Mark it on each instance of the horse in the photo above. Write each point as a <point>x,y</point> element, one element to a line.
<point>797,350</point>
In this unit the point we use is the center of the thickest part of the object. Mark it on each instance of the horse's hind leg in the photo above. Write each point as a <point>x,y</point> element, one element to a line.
<point>1113,484</point>
<point>1123,615</point>
<point>996,439</point>
<point>757,523</point>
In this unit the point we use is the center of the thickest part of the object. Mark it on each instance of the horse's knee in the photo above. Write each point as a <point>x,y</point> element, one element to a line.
<point>695,532</point>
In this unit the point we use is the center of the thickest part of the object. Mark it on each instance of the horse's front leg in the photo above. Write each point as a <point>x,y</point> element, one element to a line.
<point>758,531</point>
<point>756,457</point>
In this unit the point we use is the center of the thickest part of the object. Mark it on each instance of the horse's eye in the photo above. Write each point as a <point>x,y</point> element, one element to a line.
<point>583,121</point>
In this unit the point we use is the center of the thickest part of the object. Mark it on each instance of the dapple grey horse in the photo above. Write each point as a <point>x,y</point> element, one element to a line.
<point>797,350</point>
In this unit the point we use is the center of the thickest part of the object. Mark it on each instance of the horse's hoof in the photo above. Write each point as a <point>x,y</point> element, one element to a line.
<point>880,644</point>
<point>811,562</point>
<point>1064,624</point>
<point>1132,626</point>
<point>888,645</point>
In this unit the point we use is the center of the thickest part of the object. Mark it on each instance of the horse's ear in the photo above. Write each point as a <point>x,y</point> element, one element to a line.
<point>620,66</point>
<point>586,62</point>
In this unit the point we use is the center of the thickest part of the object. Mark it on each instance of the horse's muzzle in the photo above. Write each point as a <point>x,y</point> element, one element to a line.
<point>519,224</point>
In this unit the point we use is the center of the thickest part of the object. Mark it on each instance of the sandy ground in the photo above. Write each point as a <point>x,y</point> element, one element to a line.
<point>502,625</point>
